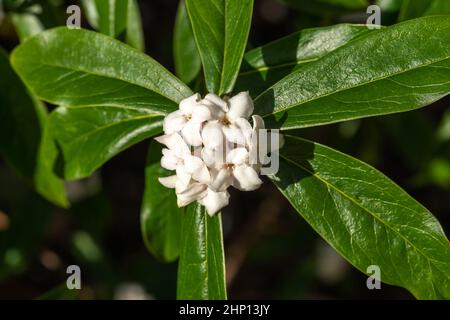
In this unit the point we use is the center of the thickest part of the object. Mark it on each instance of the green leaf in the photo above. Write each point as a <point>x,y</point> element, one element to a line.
<point>358,80</point>
<point>201,269</point>
<point>438,7</point>
<point>366,217</point>
<point>186,56</point>
<point>160,215</point>
<point>221,29</point>
<point>326,7</point>
<point>413,9</point>
<point>266,65</point>
<point>90,135</point>
<point>26,25</point>
<point>111,96</point>
<point>134,32</point>
<point>389,5</point>
<point>350,4</point>
<point>91,12</point>
<point>24,139</point>
<point>117,18</point>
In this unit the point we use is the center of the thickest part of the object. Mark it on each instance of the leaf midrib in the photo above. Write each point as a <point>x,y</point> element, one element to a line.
<point>345,88</point>
<point>365,210</point>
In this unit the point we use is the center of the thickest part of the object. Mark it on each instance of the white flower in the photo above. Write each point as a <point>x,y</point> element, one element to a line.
<point>214,201</point>
<point>235,123</point>
<point>178,157</point>
<point>188,120</point>
<point>211,146</point>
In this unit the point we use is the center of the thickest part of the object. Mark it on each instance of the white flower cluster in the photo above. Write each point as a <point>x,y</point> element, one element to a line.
<point>209,144</point>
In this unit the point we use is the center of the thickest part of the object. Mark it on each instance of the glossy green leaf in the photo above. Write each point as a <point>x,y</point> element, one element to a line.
<point>111,96</point>
<point>24,139</point>
<point>413,9</point>
<point>186,56</point>
<point>366,217</point>
<point>117,18</point>
<point>264,66</point>
<point>221,29</point>
<point>394,69</point>
<point>201,268</point>
<point>160,215</point>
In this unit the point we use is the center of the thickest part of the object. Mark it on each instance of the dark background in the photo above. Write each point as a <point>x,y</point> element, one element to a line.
<point>271,252</point>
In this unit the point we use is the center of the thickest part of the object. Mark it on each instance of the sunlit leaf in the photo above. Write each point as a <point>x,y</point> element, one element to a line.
<point>366,217</point>
<point>394,69</point>
<point>111,96</point>
<point>201,268</point>
<point>221,28</point>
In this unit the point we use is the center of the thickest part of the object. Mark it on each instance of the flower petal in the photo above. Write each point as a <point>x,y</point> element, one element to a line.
<point>175,143</point>
<point>195,191</point>
<point>234,134</point>
<point>196,168</point>
<point>209,156</point>
<point>241,106</point>
<point>212,135</point>
<point>169,162</point>
<point>174,122</point>
<point>192,163</point>
<point>214,201</point>
<point>215,111</point>
<point>221,180</point>
<point>191,133</point>
<point>184,178</point>
<point>258,123</point>
<point>246,129</point>
<point>246,178</point>
<point>168,182</point>
<point>211,97</point>
<point>213,157</point>
<point>202,175</point>
<point>187,105</point>
<point>237,156</point>
<point>201,113</point>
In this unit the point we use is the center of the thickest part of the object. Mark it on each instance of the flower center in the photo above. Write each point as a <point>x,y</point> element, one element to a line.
<point>229,166</point>
<point>225,121</point>
<point>188,117</point>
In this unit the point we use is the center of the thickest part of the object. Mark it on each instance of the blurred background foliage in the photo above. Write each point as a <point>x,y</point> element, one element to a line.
<point>271,252</point>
